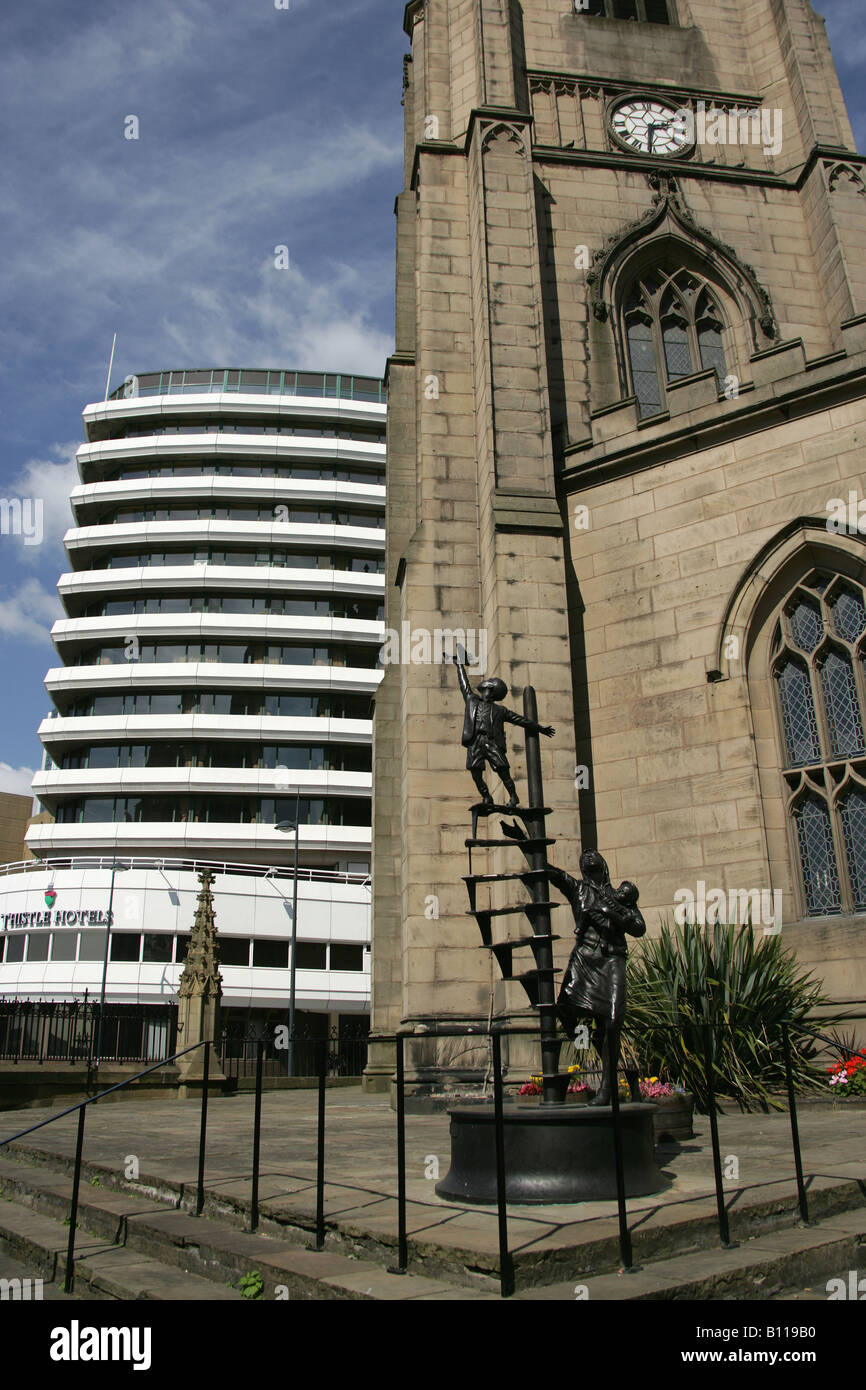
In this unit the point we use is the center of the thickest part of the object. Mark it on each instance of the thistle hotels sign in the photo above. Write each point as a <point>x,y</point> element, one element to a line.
<point>65,917</point>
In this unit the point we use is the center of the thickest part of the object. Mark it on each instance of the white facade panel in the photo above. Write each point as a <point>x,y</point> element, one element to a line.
<point>163,430</point>
<point>252,906</point>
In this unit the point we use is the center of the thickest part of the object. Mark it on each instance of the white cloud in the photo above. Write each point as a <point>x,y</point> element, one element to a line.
<point>16,780</point>
<point>290,320</point>
<point>103,233</point>
<point>50,481</point>
<point>29,612</point>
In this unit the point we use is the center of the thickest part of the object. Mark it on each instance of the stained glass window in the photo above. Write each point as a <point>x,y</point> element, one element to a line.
<point>643,366</point>
<point>798,714</point>
<point>853,809</point>
<point>840,702</point>
<point>652,11</point>
<point>673,328</point>
<point>807,626</point>
<point>849,613</point>
<point>818,665</point>
<point>817,857</point>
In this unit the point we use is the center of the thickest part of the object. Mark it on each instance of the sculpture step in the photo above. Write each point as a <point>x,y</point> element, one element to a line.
<point>497,844</point>
<point>496,878</point>
<point>514,907</point>
<point>531,980</point>
<point>526,814</point>
<point>504,950</point>
<point>472,881</point>
<point>484,916</point>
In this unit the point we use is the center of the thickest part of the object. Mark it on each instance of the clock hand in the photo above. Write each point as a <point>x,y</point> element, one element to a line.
<point>652,127</point>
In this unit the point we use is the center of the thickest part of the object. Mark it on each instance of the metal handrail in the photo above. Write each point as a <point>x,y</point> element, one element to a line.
<point>495,1034</point>
<point>81,1107</point>
<point>104,861</point>
<point>277,382</point>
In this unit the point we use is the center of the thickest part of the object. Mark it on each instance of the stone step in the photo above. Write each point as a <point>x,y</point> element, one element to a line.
<point>130,1246</point>
<point>658,1233</point>
<point>26,1290</point>
<point>770,1266</point>
<point>39,1242</point>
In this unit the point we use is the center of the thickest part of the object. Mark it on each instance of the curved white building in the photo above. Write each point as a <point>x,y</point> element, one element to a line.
<point>218,657</point>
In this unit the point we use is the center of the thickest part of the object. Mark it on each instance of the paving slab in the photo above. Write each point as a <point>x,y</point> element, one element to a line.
<point>361,1171</point>
<point>734,1273</point>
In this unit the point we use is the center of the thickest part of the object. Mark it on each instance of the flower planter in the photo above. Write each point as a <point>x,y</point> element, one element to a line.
<point>672,1118</point>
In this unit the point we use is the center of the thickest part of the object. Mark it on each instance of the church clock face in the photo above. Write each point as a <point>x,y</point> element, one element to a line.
<point>645,126</point>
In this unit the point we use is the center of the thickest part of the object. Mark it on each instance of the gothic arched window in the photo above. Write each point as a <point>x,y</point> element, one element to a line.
<point>652,11</point>
<point>818,658</point>
<point>673,326</point>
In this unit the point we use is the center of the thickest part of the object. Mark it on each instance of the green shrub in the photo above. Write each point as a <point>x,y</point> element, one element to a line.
<point>251,1285</point>
<point>744,985</point>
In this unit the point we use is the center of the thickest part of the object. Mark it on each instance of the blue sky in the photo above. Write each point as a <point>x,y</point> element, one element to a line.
<point>258,127</point>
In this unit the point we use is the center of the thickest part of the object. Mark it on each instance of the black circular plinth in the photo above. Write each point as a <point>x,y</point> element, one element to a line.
<point>553,1154</point>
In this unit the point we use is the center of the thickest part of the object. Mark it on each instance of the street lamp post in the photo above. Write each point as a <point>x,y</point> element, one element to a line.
<point>295,825</point>
<point>115,868</point>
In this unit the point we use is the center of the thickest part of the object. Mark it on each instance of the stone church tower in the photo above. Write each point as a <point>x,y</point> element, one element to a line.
<point>626,409</point>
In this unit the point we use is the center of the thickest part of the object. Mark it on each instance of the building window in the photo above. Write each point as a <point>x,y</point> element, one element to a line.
<point>311,955</point>
<point>673,328</point>
<point>271,955</point>
<point>158,948</point>
<point>234,950</point>
<point>347,958</point>
<point>37,946</point>
<point>64,945</point>
<point>817,664</point>
<point>649,11</point>
<point>125,947</point>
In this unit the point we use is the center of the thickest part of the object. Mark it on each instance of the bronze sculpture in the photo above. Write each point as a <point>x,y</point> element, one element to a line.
<point>484,733</point>
<point>551,1152</point>
<point>593,987</point>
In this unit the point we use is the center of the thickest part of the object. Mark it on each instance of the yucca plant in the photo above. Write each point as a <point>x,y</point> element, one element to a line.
<point>741,983</point>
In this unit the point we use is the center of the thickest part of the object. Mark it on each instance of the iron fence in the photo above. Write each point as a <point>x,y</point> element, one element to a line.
<point>68,1031</point>
<point>345,1051</point>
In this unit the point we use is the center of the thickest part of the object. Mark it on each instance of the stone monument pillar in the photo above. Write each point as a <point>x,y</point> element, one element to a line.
<point>200,990</point>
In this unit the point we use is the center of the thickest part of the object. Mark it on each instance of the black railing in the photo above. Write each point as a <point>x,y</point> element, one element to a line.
<point>506,1265</point>
<point>240,1049</point>
<point>81,1107</point>
<point>319,1054</point>
<point>40,1031</point>
<point>319,1049</point>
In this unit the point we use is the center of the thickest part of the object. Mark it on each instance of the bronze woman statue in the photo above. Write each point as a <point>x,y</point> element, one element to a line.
<point>593,988</point>
<point>594,983</point>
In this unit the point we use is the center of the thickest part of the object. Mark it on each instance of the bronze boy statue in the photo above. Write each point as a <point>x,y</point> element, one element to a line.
<point>484,732</point>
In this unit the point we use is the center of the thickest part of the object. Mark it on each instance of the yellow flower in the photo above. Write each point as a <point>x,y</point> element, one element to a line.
<point>653,1079</point>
